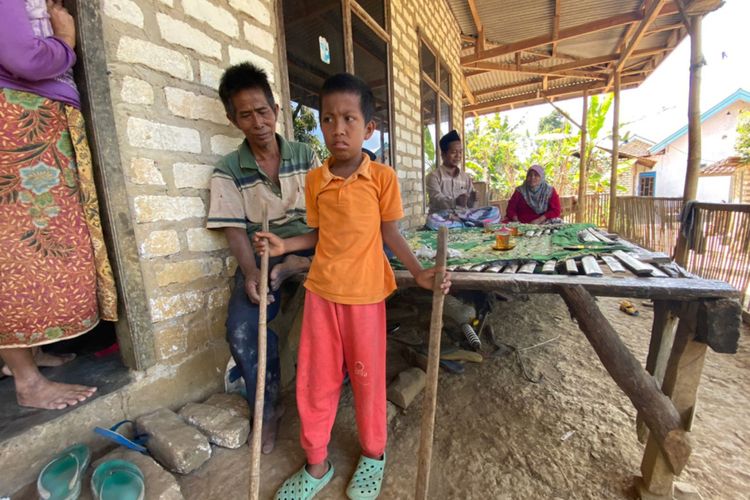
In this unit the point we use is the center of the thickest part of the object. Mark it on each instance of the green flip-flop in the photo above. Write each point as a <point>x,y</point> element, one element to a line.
<point>60,479</point>
<point>302,486</point>
<point>367,479</point>
<point>118,480</point>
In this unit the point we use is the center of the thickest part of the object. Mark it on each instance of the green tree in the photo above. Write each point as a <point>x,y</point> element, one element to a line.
<point>305,124</point>
<point>553,122</point>
<point>429,148</point>
<point>743,136</point>
<point>491,146</point>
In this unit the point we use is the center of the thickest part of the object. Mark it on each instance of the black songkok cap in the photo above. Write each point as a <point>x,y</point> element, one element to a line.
<point>445,141</point>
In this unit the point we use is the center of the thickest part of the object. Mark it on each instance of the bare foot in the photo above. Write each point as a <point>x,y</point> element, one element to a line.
<point>42,358</point>
<point>292,264</point>
<point>271,430</point>
<point>318,470</point>
<point>47,395</point>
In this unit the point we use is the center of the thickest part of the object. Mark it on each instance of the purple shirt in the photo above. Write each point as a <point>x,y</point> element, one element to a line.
<point>31,63</point>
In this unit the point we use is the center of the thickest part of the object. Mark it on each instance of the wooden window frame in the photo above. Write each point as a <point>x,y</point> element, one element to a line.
<point>348,8</point>
<point>650,176</point>
<point>441,96</point>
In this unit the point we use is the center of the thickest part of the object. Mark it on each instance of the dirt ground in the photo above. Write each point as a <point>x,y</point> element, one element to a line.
<point>500,436</point>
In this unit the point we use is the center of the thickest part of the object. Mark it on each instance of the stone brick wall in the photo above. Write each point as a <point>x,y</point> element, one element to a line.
<point>410,20</point>
<point>165,59</point>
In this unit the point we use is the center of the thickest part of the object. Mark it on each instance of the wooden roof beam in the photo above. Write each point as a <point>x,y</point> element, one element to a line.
<point>500,88</point>
<point>479,47</point>
<point>591,87</point>
<point>535,70</point>
<point>533,100</point>
<point>482,68</point>
<point>556,27</point>
<point>664,27</point>
<point>652,12</point>
<point>565,34</point>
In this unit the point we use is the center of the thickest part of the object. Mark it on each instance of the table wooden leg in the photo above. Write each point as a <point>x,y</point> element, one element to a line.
<point>662,337</point>
<point>681,378</point>
<point>658,411</point>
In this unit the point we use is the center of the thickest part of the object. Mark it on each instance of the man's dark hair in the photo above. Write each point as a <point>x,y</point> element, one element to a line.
<point>240,77</point>
<point>348,83</point>
<point>446,140</point>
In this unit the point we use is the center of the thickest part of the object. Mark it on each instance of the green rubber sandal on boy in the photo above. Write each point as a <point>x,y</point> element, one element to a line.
<point>367,478</point>
<point>61,478</point>
<point>302,486</point>
<point>118,480</point>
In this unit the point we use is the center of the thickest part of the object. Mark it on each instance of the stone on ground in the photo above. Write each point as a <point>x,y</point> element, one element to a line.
<point>685,491</point>
<point>173,443</point>
<point>235,403</point>
<point>407,385</point>
<point>219,425</point>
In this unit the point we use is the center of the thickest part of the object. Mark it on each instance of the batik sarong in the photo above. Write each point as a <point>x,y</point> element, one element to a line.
<point>55,278</point>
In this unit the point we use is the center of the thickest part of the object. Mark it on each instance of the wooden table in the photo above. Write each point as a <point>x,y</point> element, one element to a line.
<point>690,314</point>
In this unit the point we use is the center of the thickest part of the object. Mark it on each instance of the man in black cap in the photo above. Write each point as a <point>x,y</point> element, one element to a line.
<point>448,188</point>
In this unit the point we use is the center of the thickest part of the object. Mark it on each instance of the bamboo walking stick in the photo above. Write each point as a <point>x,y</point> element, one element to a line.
<point>260,383</point>
<point>433,360</point>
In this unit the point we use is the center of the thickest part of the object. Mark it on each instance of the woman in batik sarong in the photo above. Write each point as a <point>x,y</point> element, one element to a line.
<point>534,201</point>
<point>55,279</point>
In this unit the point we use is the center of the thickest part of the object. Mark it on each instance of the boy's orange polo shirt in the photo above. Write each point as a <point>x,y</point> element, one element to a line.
<point>350,266</point>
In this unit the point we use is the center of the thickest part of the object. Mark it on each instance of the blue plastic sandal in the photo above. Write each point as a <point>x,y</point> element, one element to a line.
<point>367,478</point>
<point>118,480</point>
<point>302,486</point>
<point>134,444</point>
<point>60,479</point>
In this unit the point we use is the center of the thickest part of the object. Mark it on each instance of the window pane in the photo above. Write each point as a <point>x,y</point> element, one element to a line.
<point>446,120</point>
<point>429,132</point>
<point>445,79</point>
<point>428,62</point>
<point>305,22</point>
<point>376,9</point>
<point>371,65</point>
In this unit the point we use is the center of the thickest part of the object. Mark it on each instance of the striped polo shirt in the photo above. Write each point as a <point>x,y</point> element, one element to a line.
<point>238,186</point>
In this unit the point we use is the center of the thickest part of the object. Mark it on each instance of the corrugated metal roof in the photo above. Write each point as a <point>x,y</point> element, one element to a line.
<point>522,64</point>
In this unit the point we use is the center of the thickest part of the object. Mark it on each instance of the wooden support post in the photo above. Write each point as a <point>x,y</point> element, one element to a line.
<point>681,379</point>
<point>433,360</point>
<point>582,173</point>
<point>662,337</point>
<point>658,412</point>
<point>694,130</point>
<point>615,153</point>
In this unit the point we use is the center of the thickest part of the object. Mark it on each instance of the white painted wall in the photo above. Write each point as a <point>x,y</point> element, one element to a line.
<point>715,189</point>
<point>719,134</point>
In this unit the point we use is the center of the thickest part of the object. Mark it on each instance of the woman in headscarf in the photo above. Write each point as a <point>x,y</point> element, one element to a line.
<point>55,279</point>
<point>534,201</point>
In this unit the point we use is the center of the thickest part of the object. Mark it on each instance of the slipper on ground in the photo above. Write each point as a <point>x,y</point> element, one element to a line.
<point>302,486</point>
<point>118,480</point>
<point>60,479</point>
<point>367,479</point>
<point>137,443</point>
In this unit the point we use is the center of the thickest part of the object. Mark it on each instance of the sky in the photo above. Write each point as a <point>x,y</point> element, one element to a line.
<point>658,107</point>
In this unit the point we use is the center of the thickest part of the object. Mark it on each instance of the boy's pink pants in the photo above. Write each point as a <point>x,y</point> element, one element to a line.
<point>334,338</point>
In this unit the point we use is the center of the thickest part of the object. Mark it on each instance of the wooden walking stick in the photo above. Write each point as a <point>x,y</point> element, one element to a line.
<point>260,382</point>
<point>433,360</point>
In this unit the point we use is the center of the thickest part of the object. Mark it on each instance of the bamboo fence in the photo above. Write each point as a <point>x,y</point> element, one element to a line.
<point>720,246</point>
<point>649,222</point>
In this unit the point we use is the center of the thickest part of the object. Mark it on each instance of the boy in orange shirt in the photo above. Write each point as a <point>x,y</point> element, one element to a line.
<point>354,205</point>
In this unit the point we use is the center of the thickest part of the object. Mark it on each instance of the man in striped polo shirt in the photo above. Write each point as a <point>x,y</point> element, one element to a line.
<point>264,168</point>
